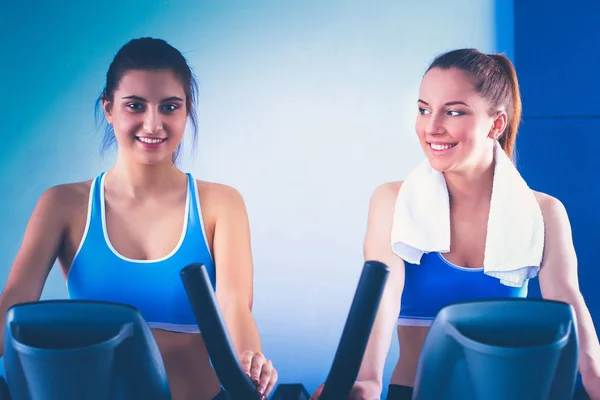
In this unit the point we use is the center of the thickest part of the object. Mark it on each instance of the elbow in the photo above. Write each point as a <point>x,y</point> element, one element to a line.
<point>12,295</point>
<point>569,294</point>
<point>574,299</point>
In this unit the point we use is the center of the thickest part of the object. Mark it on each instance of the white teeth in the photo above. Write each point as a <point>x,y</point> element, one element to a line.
<point>150,141</point>
<point>441,146</point>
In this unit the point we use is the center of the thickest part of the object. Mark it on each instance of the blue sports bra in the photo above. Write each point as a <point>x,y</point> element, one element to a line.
<point>154,287</point>
<point>436,283</point>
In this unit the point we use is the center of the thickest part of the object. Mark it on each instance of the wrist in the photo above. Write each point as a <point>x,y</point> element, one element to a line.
<point>590,375</point>
<point>373,383</point>
<point>589,360</point>
<point>589,370</point>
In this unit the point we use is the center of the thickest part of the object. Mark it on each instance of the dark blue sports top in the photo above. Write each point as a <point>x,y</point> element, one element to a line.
<point>436,283</point>
<point>154,287</point>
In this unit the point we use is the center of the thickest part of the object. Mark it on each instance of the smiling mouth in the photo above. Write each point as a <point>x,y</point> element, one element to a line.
<point>441,147</point>
<point>150,140</point>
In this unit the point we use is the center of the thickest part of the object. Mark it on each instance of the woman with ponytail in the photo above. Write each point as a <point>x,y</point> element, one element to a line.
<point>469,109</point>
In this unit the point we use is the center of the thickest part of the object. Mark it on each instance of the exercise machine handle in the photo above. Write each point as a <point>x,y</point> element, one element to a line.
<point>357,330</point>
<point>216,338</point>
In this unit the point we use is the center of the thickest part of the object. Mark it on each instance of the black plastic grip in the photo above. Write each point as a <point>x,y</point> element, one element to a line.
<point>357,330</point>
<point>214,332</point>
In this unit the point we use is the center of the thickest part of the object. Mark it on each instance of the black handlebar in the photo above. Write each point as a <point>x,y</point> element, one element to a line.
<point>216,338</point>
<point>348,357</point>
<point>353,342</point>
<point>4,392</point>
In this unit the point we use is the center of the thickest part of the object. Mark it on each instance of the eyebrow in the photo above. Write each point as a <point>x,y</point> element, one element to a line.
<point>138,98</point>
<point>450,103</point>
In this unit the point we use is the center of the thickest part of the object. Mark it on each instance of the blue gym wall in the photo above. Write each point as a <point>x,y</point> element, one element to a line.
<point>305,107</point>
<point>557,53</point>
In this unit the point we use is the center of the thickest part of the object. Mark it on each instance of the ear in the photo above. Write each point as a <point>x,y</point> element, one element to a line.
<point>107,107</point>
<point>499,125</point>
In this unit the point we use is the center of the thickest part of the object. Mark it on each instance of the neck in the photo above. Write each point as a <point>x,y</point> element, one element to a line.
<point>471,188</point>
<point>143,180</point>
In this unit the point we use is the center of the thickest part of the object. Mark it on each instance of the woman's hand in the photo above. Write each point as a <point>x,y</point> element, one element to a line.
<point>260,370</point>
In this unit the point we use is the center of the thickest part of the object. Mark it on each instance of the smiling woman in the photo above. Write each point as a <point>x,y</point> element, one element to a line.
<point>168,66</point>
<point>469,110</point>
<point>124,236</point>
<point>150,123</point>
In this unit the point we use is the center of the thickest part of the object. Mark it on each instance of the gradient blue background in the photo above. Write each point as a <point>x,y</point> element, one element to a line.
<point>557,53</point>
<point>305,107</point>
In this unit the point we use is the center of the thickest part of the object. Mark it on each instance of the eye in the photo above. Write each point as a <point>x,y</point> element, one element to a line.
<point>454,113</point>
<point>170,107</point>
<point>424,111</point>
<point>135,106</point>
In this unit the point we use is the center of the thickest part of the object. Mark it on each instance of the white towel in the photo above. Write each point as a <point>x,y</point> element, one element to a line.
<point>515,231</point>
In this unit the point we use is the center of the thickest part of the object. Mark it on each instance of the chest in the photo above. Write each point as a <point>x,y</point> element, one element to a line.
<point>468,233</point>
<point>146,231</point>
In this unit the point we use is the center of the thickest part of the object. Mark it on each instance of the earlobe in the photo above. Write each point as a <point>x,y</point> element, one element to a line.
<point>499,126</point>
<point>495,133</point>
<point>107,107</point>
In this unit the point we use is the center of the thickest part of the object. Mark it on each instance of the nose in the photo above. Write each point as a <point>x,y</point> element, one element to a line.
<point>152,121</point>
<point>434,125</point>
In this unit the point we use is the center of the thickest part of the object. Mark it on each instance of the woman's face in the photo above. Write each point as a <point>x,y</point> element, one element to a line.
<point>148,114</point>
<point>454,125</point>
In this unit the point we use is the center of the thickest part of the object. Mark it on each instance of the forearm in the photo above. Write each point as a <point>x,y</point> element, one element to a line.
<point>376,353</point>
<point>589,349</point>
<point>380,339</point>
<point>9,298</point>
<point>242,328</point>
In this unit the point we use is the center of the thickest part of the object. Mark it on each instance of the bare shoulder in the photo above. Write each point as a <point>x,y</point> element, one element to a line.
<point>382,205</point>
<point>377,240</point>
<point>75,191</point>
<point>556,221</point>
<point>386,192</point>
<point>553,210</point>
<point>218,195</point>
<point>560,256</point>
<point>65,197</point>
<point>60,207</point>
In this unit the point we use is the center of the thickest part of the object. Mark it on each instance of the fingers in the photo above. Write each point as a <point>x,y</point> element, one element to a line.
<point>256,367</point>
<point>317,393</point>
<point>265,376</point>
<point>268,379</point>
<point>260,370</point>
<point>246,362</point>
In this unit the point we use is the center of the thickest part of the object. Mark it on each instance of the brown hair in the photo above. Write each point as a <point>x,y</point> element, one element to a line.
<point>495,79</point>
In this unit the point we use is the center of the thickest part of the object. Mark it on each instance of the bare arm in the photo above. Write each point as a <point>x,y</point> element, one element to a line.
<point>234,267</point>
<point>233,261</point>
<point>377,246</point>
<point>559,281</point>
<point>39,249</point>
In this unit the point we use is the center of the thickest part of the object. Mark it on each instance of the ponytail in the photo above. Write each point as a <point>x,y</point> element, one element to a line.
<point>508,138</point>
